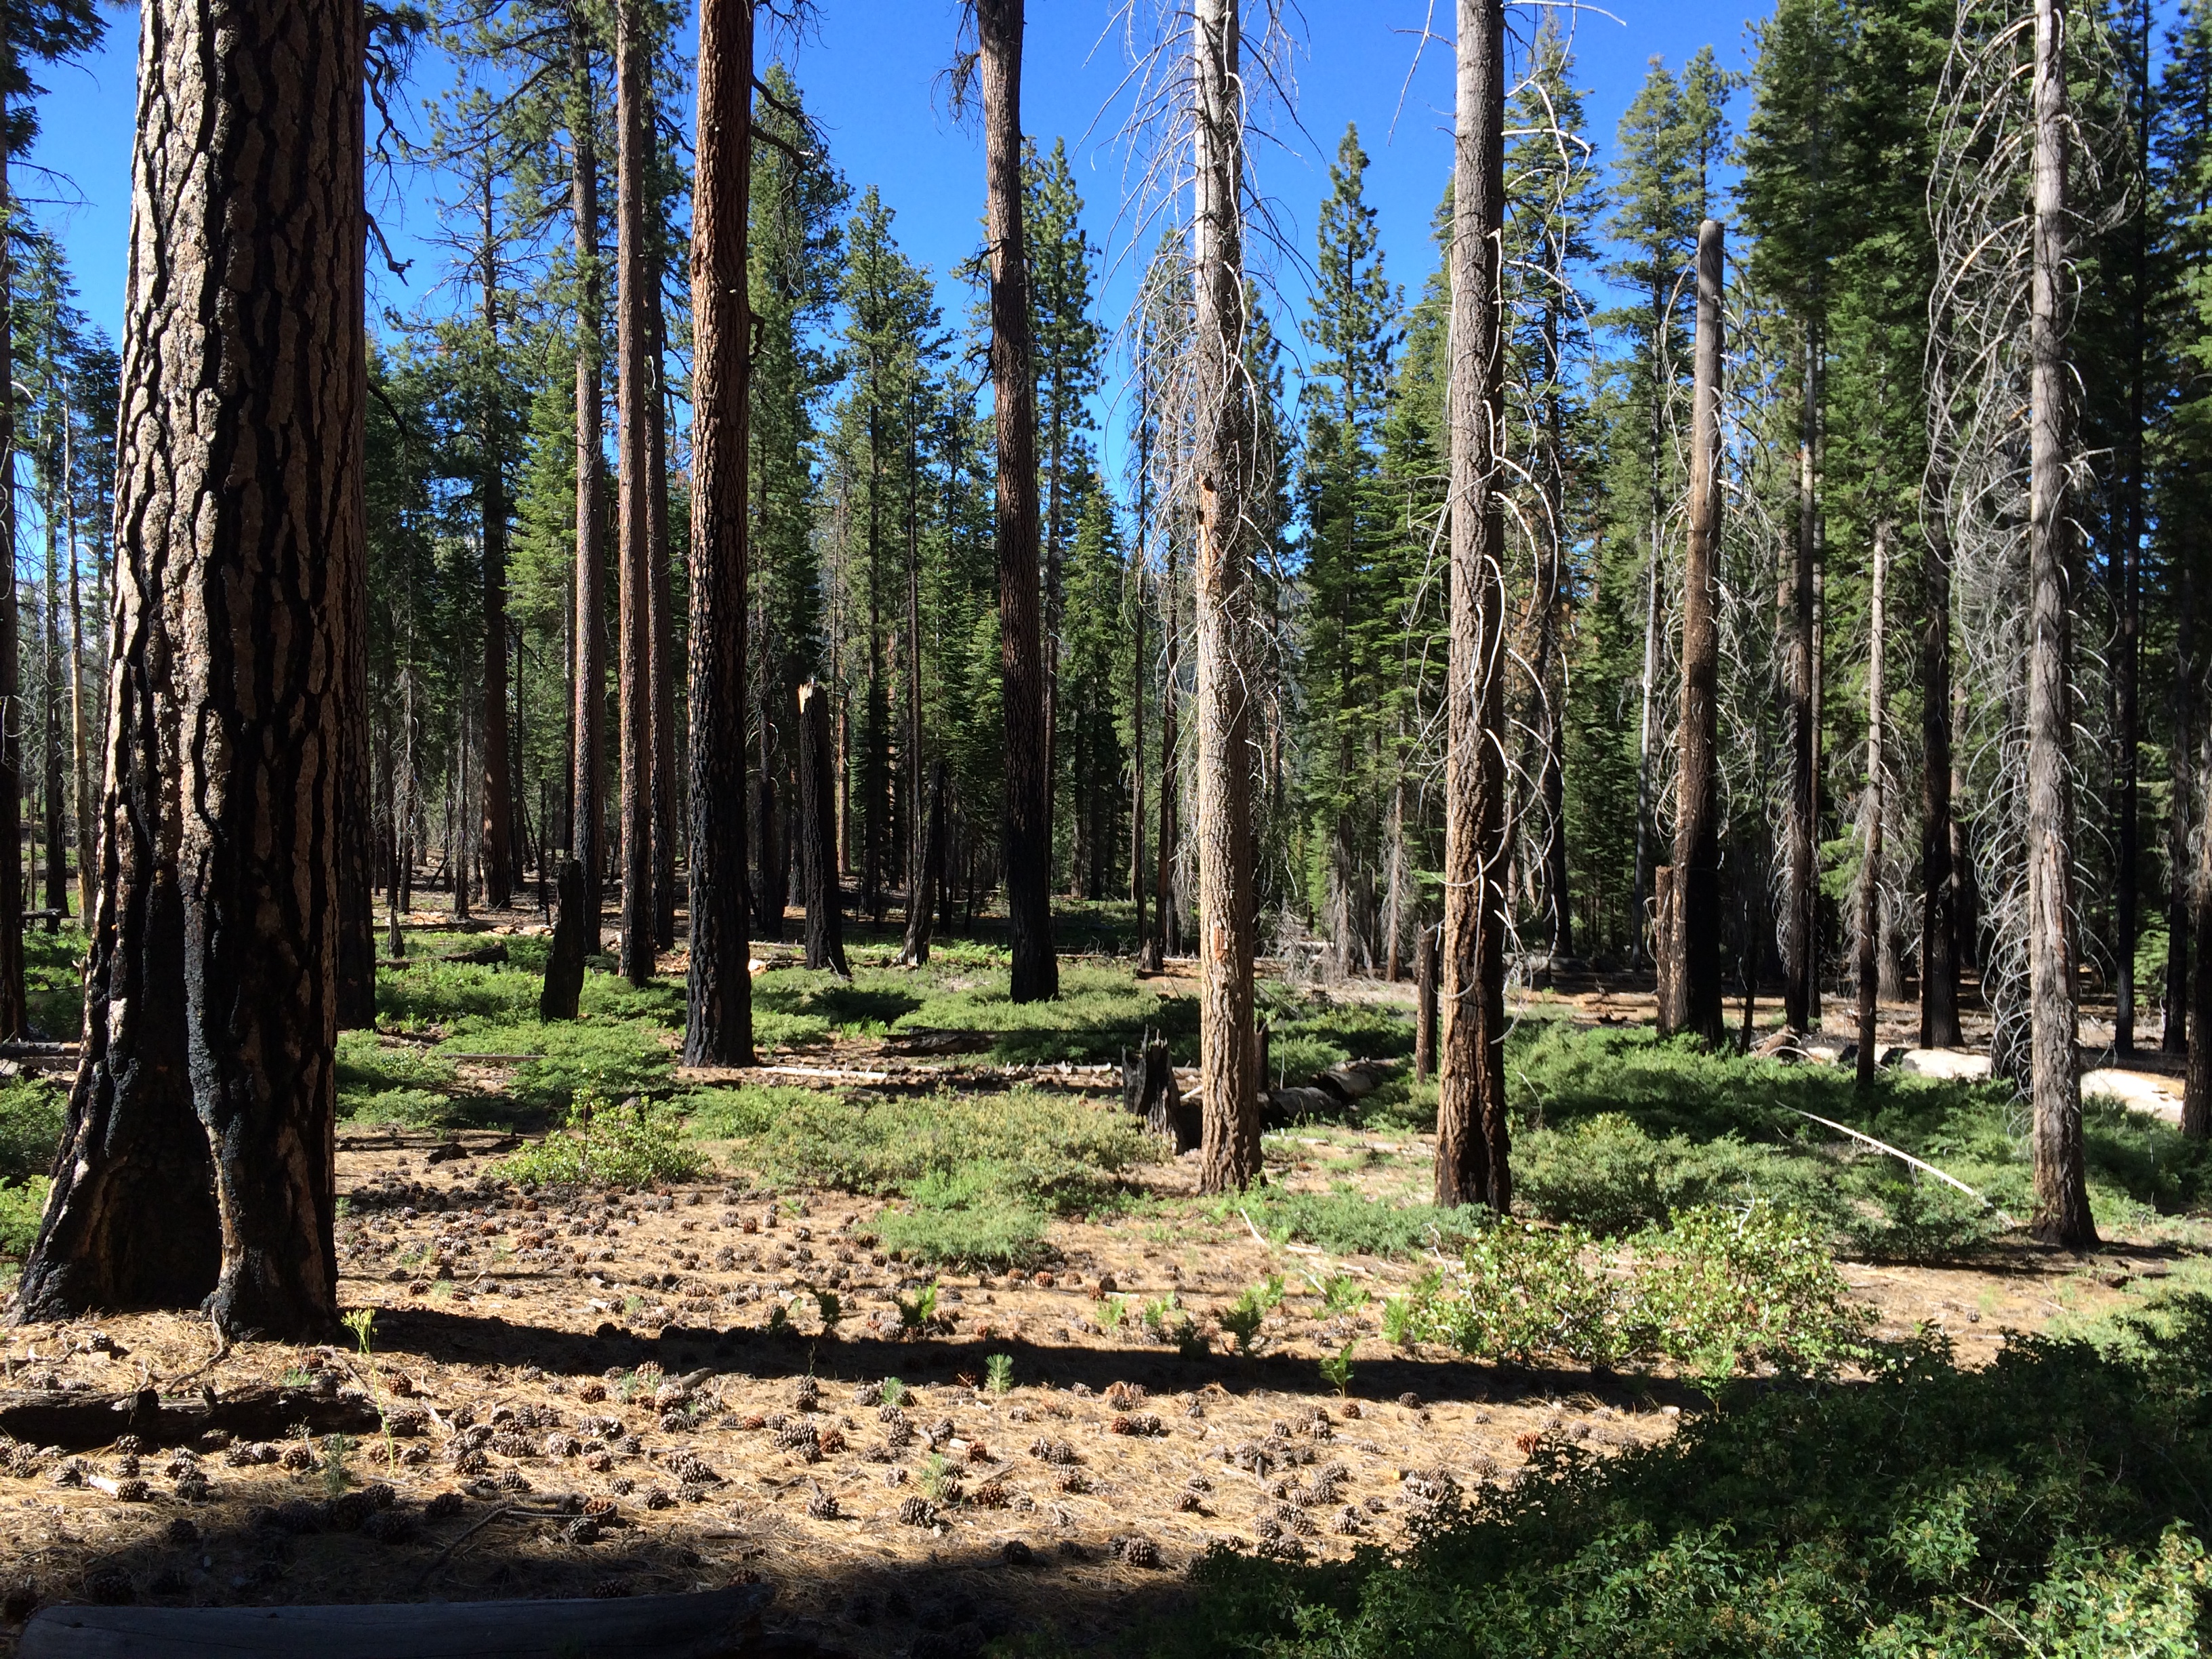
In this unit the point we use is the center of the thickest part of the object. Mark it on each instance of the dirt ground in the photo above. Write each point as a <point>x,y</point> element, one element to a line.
<point>612,1396</point>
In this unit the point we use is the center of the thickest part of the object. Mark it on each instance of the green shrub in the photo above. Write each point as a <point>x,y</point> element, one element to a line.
<point>1346,1224</point>
<point>614,1058</point>
<point>1716,1292</point>
<point>611,1145</point>
<point>53,980</point>
<point>983,1231</point>
<point>2047,1505</point>
<point>1605,1174</point>
<point>31,1113</point>
<point>20,1206</point>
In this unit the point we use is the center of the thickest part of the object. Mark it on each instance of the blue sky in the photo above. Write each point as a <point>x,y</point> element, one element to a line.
<point>870,72</point>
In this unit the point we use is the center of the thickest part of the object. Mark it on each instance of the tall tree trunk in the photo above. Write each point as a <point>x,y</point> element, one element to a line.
<point>80,763</point>
<point>818,805</point>
<point>1939,901</point>
<point>51,719</point>
<point>925,805</point>
<point>198,1156</point>
<point>2061,1197</point>
<point>2181,694</point>
<point>1551,687</point>
<point>14,1018</point>
<point>586,804</point>
<point>1692,977</point>
<point>1147,959</point>
<point>634,393</point>
<point>459,843</point>
<point>1869,894</point>
<point>495,843</point>
<point>666,831</point>
<point>719,1029</point>
<point>2197,1091</point>
<point>1801,944</point>
<point>2128,561</point>
<point>1167,916</point>
<point>1470,1165</point>
<point>1036,975</point>
<point>1226,468</point>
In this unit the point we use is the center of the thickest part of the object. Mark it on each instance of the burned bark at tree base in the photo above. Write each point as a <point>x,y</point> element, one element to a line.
<point>818,807</point>
<point>575,938</point>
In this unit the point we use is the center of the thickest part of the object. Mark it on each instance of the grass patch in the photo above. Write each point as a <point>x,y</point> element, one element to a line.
<point>20,1204</point>
<point>2060,1491</point>
<point>1049,1153</point>
<point>53,980</point>
<point>1346,1224</point>
<point>965,1220</point>
<point>614,1058</point>
<point>1101,1010</point>
<point>31,1112</point>
<point>633,1145</point>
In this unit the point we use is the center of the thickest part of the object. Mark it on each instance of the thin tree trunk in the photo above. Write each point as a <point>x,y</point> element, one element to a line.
<point>1869,895</point>
<point>1800,901</point>
<point>14,1018</point>
<point>633,394</point>
<point>1424,1006</point>
<point>2196,1093</point>
<point>198,1156</point>
<point>1036,975</point>
<point>587,812</point>
<point>1551,774</point>
<point>459,842</point>
<point>1692,975</point>
<point>825,943</point>
<point>1167,916</point>
<point>925,807</point>
<point>2181,702</point>
<point>496,834</point>
<point>1939,903</point>
<point>719,1029</point>
<point>2128,559</point>
<point>1147,957</point>
<point>1226,468</point>
<point>667,829</point>
<point>1471,1163</point>
<point>57,903</point>
<point>2061,1197</point>
<point>80,764</point>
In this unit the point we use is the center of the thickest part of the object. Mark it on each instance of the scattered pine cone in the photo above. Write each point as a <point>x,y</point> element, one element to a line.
<point>183,1532</point>
<point>832,1442</point>
<point>591,1392</point>
<point>623,1487</point>
<point>868,1393</point>
<point>600,1463</point>
<point>192,1487</point>
<point>132,1491</point>
<point>1134,1550</point>
<point>807,1396</point>
<point>471,1462</point>
<point>658,1499</point>
<point>512,1445</point>
<point>608,1588</point>
<point>1140,1422</point>
<point>512,1480</point>
<point>822,1505</point>
<point>1349,1519</point>
<point>71,1474</point>
<point>389,1527</point>
<point>584,1529</point>
<point>600,1509</point>
<point>992,1495</point>
<point>128,1445</point>
<point>109,1587</point>
<point>1073,1481</point>
<point>917,1512</point>
<point>445,1504</point>
<point>297,1459</point>
<point>563,1445</point>
<point>980,1453</point>
<point>1123,1395</point>
<point>405,1424</point>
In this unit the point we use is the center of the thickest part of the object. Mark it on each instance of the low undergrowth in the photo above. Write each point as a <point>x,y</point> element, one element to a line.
<point>2051,1503</point>
<point>1346,1223</point>
<point>605,1144</point>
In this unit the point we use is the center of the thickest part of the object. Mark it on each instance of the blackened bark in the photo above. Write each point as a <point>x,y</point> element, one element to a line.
<point>1424,1006</point>
<point>2181,703</point>
<point>587,637</point>
<point>1471,1161</point>
<point>719,1031</point>
<point>496,834</point>
<point>50,710</point>
<point>666,829</point>
<point>212,986</point>
<point>1692,943</point>
<point>2197,1092</point>
<point>633,554</point>
<point>1036,975</point>
<point>818,806</point>
<point>1800,933</point>
<point>1227,470</point>
<point>2061,1196</point>
<point>929,877</point>
<point>1869,894</point>
<point>575,937</point>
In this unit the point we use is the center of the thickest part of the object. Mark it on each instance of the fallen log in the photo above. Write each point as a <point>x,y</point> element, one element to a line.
<point>75,1422</point>
<point>694,1626</point>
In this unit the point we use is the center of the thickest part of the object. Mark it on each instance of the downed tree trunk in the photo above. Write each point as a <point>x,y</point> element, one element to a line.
<point>484,956</point>
<point>76,1421</point>
<point>574,936</point>
<point>716,1622</point>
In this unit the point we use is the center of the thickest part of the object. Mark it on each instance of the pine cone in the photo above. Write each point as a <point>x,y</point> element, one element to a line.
<point>917,1512</point>
<point>822,1505</point>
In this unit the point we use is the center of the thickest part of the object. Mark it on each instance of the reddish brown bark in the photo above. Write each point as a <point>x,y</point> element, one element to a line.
<point>633,390</point>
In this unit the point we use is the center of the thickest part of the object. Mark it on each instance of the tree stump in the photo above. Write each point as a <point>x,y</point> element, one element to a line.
<point>1149,1090</point>
<point>571,942</point>
<point>1424,1022</point>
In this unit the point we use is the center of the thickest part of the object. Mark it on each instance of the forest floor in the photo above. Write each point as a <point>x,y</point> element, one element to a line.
<point>913,1325</point>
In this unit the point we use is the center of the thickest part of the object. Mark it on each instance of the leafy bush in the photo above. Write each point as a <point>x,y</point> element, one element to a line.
<point>1048,1152</point>
<point>613,1057</point>
<point>2050,1503</point>
<point>1100,1011</point>
<point>964,1219</point>
<point>1717,1292</point>
<point>20,1206</point>
<point>1606,1174</point>
<point>31,1112</point>
<point>612,1145</point>
<point>1344,1224</point>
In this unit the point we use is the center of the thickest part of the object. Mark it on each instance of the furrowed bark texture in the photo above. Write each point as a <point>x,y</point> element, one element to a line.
<point>1167,916</point>
<point>212,1012</point>
<point>15,1020</point>
<point>719,1030</point>
<point>1869,895</point>
<point>1693,981</point>
<point>2061,1196</point>
<point>818,805</point>
<point>496,834</point>
<point>2197,1091</point>
<point>633,554</point>
<point>1229,1079</point>
<point>1035,973</point>
<point>1939,904</point>
<point>1471,1164</point>
<point>1801,916</point>
<point>2181,702</point>
<point>666,831</point>
<point>586,633</point>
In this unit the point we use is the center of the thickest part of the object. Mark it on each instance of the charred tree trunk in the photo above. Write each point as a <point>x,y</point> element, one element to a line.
<point>80,738</point>
<point>1147,956</point>
<point>1939,901</point>
<point>2182,701</point>
<point>1225,469</point>
<point>929,856</point>
<point>1425,1007</point>
<point>496,841</point>
<point>1692,943</point>
<point>719,1030</point>
<point>1869,895</point>
<point>818,807</point>
<point>1036,975</point>
<point>925,807</point>
<point>1800,942</point>
<point>586,804</point>
<point>50,709</point>
<point>634,393</point>
<point>1470,1165</point>
<point>198,1156</point>
<point>2061,1197</point>
<point>2197,1094</point>
<point>666,831</point>
<point>1167,916</point>
<point>2128,561</point>
<point>14,1018</point>
<point>575,936</point>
